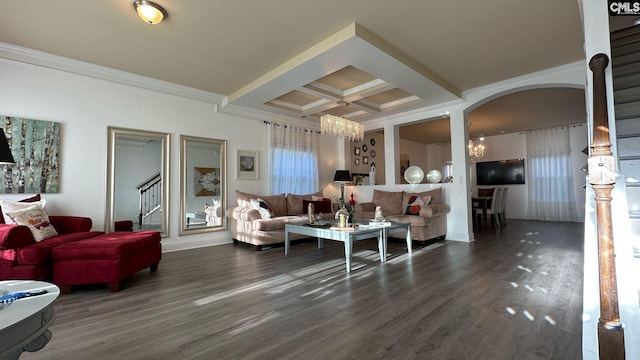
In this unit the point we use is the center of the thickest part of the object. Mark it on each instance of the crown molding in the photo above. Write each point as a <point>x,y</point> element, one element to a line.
<point>55,62</point>
<point>261,115</point>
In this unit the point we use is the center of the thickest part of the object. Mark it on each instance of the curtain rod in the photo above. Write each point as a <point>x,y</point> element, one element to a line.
<point>286,126</point>
<point>549,129</point>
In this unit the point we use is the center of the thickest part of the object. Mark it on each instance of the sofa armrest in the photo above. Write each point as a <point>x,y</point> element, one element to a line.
<point>14,236</point>
<point>365,207</point>
<point>70,224</point>
<point>243,213</point>
<point>434,210</point>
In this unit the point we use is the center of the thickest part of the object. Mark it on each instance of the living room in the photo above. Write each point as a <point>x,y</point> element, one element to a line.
<point>86,99</point>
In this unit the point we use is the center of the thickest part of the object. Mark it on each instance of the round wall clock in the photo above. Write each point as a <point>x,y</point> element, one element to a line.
<point>364,147</point>
<point>372,153</point>
<point>372,142</point>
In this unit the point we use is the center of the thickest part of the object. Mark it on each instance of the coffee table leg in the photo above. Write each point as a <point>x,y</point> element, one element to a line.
<point>382,245</point>
<point>409,239</point>
<point>286,242</point>
<point>348,248</point>
<point>320,243</point>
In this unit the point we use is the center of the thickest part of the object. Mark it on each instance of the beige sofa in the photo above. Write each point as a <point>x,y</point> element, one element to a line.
<point>429,222</point>
<point>248,225</point>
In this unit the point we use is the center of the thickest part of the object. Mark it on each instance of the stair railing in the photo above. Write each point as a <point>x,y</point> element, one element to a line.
<point>602,179</point>
<point>150,197</point>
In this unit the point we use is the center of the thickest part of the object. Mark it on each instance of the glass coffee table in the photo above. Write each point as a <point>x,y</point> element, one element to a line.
<point>360,232</point>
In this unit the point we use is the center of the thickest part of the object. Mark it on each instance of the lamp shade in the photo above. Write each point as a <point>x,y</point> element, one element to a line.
<point>342,176</point>
<point>5,152</point>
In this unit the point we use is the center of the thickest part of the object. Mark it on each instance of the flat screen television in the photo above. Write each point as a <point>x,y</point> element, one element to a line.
<point>503,172</point>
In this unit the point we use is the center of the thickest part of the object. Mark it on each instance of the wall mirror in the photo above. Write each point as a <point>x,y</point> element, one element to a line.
<point>426,144</point>
<point>138,179</point>
<point>203,185</point>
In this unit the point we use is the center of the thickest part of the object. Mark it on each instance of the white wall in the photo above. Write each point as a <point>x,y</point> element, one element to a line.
<point>85,106</point>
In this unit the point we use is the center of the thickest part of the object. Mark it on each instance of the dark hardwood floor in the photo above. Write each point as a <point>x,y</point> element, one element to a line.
<point>515,293</point>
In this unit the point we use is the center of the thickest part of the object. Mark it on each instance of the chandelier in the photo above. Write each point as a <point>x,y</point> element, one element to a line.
<point>340,126</point>
<point>475,151</point>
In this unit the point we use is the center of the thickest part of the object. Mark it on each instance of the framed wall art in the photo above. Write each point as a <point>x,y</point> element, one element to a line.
<point>35,146</point>
<point>206,181</point>
<point>248,165</point>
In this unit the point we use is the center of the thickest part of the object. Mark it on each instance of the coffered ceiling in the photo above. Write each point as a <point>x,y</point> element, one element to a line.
<point>300,58</point>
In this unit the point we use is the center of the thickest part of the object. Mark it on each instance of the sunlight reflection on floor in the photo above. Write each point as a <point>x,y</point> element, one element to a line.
<point>327,275</point>
<point>512,310</point>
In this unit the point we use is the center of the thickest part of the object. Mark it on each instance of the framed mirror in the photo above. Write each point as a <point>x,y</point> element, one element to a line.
<point>203,185</point>
<point>138,179</point>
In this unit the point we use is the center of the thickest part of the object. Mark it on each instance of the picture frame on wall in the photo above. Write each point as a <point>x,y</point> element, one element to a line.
<point>365,160</point>
<point>356,151</point>
<point>248,165</point>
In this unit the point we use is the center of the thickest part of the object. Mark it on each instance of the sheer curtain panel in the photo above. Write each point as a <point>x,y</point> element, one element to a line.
<point>294,160</point>
<point>549,176</point>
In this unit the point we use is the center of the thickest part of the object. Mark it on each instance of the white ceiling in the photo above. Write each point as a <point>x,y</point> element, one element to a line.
<point>270,55</point>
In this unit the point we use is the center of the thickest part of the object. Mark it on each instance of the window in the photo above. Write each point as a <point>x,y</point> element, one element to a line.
<point>294,163</point>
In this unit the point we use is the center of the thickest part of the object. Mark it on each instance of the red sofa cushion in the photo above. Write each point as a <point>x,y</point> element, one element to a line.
<point>38,253</point>
<point>14,236</point>
<point>112,245</point>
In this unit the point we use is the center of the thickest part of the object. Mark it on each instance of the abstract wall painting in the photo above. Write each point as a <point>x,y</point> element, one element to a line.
<point>206,181</point>
<point>35,145</point>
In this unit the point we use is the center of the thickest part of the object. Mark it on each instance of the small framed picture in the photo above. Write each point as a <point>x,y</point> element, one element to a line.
<point>356,151</point>
<point>365,159</point>
<point>364,147</point>
<point>356,161</point>
<point>248,165</point>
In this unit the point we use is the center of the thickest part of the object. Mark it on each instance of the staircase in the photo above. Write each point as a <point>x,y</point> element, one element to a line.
<point>625,53</point>
<point>150,198</point>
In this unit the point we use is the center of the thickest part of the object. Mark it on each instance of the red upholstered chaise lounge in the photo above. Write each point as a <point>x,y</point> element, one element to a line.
<point>21,257</point>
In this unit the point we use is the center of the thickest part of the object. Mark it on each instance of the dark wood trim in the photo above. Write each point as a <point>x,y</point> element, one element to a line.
<point>602,180</point>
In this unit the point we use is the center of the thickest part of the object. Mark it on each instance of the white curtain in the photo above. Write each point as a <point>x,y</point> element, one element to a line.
<point>294,160</point>
<point>549,176</point>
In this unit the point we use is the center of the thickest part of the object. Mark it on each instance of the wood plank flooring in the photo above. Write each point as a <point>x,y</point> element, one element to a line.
<point>515,293</point>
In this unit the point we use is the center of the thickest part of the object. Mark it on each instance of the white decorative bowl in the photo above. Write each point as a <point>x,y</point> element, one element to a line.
<point>414,175</point>
<point>434,176</point>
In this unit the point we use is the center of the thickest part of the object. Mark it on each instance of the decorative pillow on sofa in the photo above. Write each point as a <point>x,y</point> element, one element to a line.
<point>262,207</point>
<point>36,219</point>
<point>9,206</point>
<point>390,201</point>
<point>322,206</point>
<point>295,205</point>
<point>415,204</point>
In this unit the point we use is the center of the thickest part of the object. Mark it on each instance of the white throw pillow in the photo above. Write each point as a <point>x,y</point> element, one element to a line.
<point>36,219</point>
<point>9,206</point>
<point>262,207</point>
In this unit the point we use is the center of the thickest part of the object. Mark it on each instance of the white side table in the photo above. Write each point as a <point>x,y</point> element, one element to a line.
<point>24,324</point>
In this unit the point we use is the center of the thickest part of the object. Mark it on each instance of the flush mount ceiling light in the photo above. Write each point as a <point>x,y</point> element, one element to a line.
<point>149,12</point>
<point>340,126</point>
